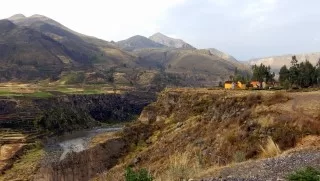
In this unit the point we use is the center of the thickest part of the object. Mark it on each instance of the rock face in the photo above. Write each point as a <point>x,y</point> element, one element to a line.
<point>170,42</point>
<point>81,110</point>
<point>276,62</point>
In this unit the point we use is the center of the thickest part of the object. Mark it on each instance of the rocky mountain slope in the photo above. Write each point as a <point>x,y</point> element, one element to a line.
<point>138,42</point>
<point>136,62</point>
<point>170,42</point>
<point>191,65</point>
<point>99,51</point>
<point>28,54</point>
<point>276,62</point>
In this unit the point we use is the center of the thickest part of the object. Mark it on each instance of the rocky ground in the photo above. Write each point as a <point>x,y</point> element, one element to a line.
<point>271,169</point>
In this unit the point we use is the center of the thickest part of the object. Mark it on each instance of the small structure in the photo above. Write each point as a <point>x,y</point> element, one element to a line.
<point>255,84</point>
<point>241,85</point>
<point>234,85</point>
<point>228,84</point>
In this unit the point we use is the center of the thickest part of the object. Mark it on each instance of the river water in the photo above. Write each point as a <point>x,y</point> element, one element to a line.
<point>58,148</point>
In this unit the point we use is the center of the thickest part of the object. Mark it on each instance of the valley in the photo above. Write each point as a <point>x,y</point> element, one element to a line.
<point>75,107</point>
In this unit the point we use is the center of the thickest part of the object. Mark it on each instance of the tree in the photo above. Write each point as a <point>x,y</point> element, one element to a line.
<point>284,75</point>
<point>294,71</point>
<point>262,73</point>
<point>307,74</point>
<point>294,61</point>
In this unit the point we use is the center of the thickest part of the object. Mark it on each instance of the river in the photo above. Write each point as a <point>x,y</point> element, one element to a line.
<point>58,148</point>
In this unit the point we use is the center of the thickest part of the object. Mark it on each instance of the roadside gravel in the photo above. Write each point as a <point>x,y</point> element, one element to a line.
<point>271,169</point>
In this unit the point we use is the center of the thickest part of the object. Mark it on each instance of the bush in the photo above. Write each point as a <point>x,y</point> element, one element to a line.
<point>140,175</point>
<point>307,174</point>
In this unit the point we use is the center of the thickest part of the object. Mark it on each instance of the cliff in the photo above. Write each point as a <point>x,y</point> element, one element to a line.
<point>191,131</point>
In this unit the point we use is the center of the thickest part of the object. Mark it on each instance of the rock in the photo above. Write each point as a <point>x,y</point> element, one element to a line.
<point>147,117</point>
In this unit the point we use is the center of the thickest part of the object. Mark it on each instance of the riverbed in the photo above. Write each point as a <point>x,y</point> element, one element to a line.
<point>58,148</point>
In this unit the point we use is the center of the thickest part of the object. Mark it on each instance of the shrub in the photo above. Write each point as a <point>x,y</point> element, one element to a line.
<point>139,175</point>
<point>182,167</point>
<point>271,149</point>
<point>307,174</point>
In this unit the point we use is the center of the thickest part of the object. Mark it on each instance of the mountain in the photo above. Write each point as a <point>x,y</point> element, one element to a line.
<point>222,55</point>
<point>28,54</point>
<point>99,51</point>
<point>276,62</point>
<point>37,48</point>
<point>197,67</point>
<point>138,42</point>
<point>170,42</point>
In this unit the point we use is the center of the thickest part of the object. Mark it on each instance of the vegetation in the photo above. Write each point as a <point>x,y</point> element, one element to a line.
<point>26,166</point>
<point>302,74</point>
<point>271,149</point>
<point>139,175</point>
<point>217,127</point>
<point>306,174</point>
<point>262,73</point>
<point>182,166</point>
<point>61,119</point>
<point>74,78</point>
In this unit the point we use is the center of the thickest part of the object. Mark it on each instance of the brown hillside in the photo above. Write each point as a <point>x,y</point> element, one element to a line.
<point>190,129</point>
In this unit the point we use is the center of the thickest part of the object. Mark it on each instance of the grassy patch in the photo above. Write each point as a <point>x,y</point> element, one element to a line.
<point>25,167</point>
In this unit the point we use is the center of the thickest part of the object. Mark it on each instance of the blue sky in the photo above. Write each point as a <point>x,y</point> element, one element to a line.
<point>243,28</point>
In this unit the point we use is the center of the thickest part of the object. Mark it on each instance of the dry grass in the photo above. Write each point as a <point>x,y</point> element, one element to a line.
<point>226,126</point>
<point>271,149</point>
<point>182,166</point>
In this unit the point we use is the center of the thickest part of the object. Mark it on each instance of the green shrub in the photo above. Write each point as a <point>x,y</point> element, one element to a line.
<point>139,175</point>
<point>307,174</point>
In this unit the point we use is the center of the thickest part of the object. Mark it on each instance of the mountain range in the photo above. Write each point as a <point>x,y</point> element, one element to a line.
<point>276,62</point>
<point>36,48</point>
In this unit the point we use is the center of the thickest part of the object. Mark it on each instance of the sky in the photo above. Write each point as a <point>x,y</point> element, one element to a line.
<point>245,29</point>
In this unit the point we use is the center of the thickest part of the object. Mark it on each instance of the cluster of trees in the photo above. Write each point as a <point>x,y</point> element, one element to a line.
<point>302,74</point>
<point>262,73</point>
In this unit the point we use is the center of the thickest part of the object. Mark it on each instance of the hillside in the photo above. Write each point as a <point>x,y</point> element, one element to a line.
<point>138,42</point>
<point>170,42</point>
<point>99,51</point>
<point>138,62</point>
<point>28,54</point>
<point>195,133</point>
<point>276,62</point>
<point>199,67</point>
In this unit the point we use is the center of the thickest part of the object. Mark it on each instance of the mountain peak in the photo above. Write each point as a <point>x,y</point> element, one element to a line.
<point>158,34</point>
<point>170,42</point>
<point>17,16</point>
<point>138,42</point>
<point>39,16</point>
<point>6,25</point>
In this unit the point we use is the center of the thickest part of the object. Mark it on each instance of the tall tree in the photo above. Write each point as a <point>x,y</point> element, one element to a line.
<point>284,74</point>
<point>294,71</point>
<point>262,73</point>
